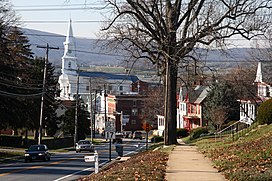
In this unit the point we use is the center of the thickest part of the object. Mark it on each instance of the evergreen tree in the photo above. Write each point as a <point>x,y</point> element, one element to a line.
<point>68,120</point>
<point>221,104</point>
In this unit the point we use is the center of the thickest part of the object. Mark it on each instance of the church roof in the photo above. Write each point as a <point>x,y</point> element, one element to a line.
<point>110,76</point>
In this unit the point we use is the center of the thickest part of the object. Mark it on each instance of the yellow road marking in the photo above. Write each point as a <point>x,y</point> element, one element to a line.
<point>34,167</point>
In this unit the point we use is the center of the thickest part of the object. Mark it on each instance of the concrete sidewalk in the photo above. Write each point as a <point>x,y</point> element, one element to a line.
<point>186,163</point>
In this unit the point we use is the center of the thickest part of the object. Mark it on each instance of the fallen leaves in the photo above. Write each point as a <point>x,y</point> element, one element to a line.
<point>247,159</point>
<point>145,166</point>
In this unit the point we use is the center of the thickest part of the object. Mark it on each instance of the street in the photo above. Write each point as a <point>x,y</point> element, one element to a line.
<point>65,166</point>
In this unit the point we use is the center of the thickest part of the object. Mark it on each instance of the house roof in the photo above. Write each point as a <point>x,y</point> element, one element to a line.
<point>196,95</point>
<point>110,76</point>
<point>202,95</point>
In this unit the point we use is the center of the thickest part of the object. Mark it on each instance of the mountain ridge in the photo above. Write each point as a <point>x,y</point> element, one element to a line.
<point>91,52</point>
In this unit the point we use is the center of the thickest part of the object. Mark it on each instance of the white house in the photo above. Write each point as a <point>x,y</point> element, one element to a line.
<point>263,81</point>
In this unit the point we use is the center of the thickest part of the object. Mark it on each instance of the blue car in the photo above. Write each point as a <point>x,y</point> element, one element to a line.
<point>37,152</point>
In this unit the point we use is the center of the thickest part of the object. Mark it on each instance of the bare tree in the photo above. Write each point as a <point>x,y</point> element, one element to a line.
<point>153,105</point>
<point>242,79</point>
<point>166,32</point>
<point>218,117</point>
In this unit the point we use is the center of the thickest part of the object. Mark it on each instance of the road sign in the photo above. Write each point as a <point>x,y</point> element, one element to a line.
<point>110,126</point>
<point>147,127</point>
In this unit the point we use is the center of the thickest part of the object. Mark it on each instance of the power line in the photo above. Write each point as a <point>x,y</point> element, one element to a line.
<point>57,5</point>
<point>64,21</point>
<point>62,9</point>
<point>18,95</point>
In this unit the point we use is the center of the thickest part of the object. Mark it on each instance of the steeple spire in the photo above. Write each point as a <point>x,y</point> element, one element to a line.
<point>259,76</point>
<point>69,60</point>
<point>69,44</point>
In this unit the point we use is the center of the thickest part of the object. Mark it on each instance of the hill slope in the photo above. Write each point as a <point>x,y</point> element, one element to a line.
<point>248,158</point>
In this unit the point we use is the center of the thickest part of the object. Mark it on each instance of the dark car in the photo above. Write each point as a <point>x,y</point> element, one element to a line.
<point>84,145</point>
<point>37,152</point>
<point>137,135</point>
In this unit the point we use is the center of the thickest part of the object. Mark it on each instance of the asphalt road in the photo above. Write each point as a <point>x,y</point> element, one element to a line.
<point>64,166</point>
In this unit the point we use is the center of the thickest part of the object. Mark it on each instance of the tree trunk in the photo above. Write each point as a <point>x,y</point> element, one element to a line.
<point>170,109</point>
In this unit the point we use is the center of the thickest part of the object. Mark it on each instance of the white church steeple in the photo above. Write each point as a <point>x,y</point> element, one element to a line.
<point>259,76</point>
<point>69,60</point>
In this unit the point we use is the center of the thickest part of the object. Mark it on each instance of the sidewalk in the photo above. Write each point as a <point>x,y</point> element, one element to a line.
<point>187,164</point>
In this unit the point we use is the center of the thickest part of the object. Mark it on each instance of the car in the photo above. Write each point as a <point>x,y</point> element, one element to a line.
<point>37,152</point>
<point>137,135</point>
<point>84,145</point>
<point>127,134</point>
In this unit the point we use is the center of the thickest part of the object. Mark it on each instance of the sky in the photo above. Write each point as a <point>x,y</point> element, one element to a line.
<point>53,16</point>
<point>86,15</point>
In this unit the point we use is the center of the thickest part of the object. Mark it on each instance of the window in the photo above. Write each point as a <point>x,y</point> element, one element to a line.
<point>121,88</point>
<point>110,87</point>
<point>134,103</point>
<point>87,87</point>
<point>69,64</point>
<point>267,92</point>
<point>134,112</point>
<point>193,109</point>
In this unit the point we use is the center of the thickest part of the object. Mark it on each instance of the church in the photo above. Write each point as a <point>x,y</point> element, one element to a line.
<point>94,90</point>
<point>73,80</point>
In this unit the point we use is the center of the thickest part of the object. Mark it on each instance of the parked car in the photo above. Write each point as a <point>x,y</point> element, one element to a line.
<point>84,145</point>
<point>37,152</point>
<point>127,134</point>
<point>137,135</point>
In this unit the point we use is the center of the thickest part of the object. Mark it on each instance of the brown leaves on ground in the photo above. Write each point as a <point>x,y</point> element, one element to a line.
<point>245,160</point>
<point>148,166</point>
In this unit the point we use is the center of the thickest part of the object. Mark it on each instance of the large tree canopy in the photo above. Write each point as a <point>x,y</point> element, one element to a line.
<point>166,32</point>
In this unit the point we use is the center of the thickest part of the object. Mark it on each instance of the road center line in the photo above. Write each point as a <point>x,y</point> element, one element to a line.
<point>33,167</point>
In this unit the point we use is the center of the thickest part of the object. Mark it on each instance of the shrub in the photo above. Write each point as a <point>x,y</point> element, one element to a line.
<point>264,115</point>
<point>157,139</point>
<point>195,133</point>
<point>182,132</point>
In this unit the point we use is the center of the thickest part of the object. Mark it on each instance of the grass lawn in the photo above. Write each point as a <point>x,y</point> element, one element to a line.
<point>249,158</point>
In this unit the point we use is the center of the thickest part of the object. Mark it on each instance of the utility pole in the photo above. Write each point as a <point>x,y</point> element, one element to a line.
<point>91,108</point>
<point>105,112</point>
<point>94,113</point>
<point>47,47</point>
<point>76,111</point>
